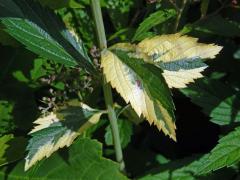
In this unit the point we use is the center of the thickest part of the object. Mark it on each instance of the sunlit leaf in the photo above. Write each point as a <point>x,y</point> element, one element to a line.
<point>142,85</point>
<point>179,57</point>
<point>57,130</point>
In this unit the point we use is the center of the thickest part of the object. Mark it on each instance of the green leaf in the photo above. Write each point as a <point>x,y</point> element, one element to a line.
<point>20,77</point>
<point>4,146</point>
<point>82,161</point>
<point>204,7</point>
<point>119,11</point>
<point>61,4</point>
<point>217,100</point>
<point>237,54</point>
<point>216,25</point>
<point>185,169</point>
<point>38,70</point>
<point>182,169</point>
<point>125,131</point>
<point>9,144</point>
<point>55,131</point>
<point>42,32</point>
<point>6,118</point>
<point>143,85</point>
<point>225,154</point>
<point>154,19</point>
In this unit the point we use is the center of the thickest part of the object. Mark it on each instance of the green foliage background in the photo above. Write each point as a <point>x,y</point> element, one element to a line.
<point>207,112</point>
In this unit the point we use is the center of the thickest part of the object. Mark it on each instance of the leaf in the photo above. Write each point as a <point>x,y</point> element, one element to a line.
<point>236,55</point>
<point>143,86</point>
<point>154,19</point>
<point>225,154</point>
<point>118,11</point>
<point>4,146</point>
<point>215,25</point>
<point>42,32</point>
<point>218,100</point>
<point>125,132</point>
<point>6,118</point>
<point>9,144</point>
<point>83,160</point>
<point>204,8</point>
<point>58,130</point>
<point>38,70</point>
<point>179,57</point>
<point>61,4</point>
<point>180,169</point>
<point>185,169</point>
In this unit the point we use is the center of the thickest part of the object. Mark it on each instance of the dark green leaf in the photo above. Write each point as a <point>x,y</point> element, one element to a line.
<point>42,32</point>
<point>9,144</point>
<point>217,100</point>
<point>215,25</point>
<point>125,131</point>
<point>237,54</point>
<point>225,154</point>
<point>61,3</point>
<point>6,117</point>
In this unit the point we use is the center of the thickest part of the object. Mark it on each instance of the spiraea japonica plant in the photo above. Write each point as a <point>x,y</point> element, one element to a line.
<point>141,72</point>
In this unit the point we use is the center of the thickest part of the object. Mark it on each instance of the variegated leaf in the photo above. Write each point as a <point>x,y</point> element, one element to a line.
<point>179,57</point>
<point>57,130</point>
<point>142,85</point>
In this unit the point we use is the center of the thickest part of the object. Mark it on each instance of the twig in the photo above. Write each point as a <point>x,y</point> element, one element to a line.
<point>179,14</point>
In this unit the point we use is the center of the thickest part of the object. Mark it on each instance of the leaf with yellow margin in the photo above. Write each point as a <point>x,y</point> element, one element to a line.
<point>59,129</point>
<point>142,85</point>
<point>179,56</point>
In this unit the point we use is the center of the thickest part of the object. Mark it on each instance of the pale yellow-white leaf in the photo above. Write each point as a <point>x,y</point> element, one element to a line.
<point>175,47</point>
<point>124,79</point>
<point>180,79</point>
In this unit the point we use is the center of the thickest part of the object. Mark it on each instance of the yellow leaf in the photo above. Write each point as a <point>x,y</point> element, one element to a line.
<point>175,48</point>
<point>127,83</point>
<point>179,79</point>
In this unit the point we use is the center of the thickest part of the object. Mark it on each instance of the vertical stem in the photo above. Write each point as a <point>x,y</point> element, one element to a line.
<point>179,14</point>
<point>97,14</point>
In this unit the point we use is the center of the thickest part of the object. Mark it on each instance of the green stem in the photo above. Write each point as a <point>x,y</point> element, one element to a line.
<point>179,14</point>
<point>97,15</point>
